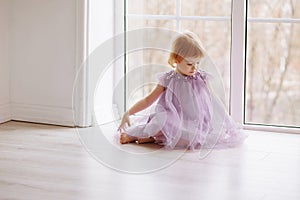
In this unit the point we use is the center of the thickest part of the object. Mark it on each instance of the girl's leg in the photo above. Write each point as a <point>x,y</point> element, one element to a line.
<point>145,140</point>
<point>125,138</point>
<point>149,139</point>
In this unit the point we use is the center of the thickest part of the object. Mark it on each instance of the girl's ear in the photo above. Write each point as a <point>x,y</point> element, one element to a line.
<point>178,59</point>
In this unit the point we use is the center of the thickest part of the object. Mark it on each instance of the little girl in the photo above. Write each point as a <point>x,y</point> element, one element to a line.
<point>186,115</point>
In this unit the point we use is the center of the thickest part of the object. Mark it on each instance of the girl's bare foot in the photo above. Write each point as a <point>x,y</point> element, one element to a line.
<point>145,140</point>
<point>125,138</point>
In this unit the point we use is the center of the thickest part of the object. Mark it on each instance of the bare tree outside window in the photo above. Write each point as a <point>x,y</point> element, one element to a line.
<point>273,63</point>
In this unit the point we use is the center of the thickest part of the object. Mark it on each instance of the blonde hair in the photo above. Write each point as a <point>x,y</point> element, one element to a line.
<point>185,45</point>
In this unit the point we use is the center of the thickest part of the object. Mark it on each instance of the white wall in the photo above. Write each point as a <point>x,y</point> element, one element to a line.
<point>4,61</point>
<point>40,50</point>
<point>43,56</point>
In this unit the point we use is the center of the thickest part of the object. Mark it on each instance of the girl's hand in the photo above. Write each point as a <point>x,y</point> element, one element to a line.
<point>125,120</point>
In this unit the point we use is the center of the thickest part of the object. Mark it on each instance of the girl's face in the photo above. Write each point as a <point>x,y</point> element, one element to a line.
<point>188,66</point>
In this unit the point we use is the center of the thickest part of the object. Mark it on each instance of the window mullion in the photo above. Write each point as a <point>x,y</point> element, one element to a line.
<point>238,60</point>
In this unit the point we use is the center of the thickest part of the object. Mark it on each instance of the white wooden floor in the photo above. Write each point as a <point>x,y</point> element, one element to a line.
<point>50,162</point>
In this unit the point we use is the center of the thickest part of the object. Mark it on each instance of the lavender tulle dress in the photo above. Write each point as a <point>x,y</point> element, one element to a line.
<point>188,115</point>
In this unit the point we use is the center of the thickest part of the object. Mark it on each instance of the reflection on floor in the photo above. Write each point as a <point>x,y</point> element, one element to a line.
<point>51,162</point>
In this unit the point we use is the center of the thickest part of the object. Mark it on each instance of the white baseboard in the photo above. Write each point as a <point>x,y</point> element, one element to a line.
<point>5,112</point>
<point>42,114</point>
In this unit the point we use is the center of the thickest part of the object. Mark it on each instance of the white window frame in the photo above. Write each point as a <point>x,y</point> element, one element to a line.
<point>237,68</point>
<point>82,111</point>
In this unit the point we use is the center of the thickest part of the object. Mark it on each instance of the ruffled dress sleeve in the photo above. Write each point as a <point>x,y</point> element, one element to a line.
<point>163,78</point>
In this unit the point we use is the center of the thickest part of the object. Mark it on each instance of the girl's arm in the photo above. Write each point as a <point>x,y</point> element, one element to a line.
<point>142,104</point>
<point>147,101</point>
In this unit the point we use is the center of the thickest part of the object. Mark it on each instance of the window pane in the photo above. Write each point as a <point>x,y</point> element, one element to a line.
<point>145,65</point>
<point>154,7</point>
<point>206,7</point>
<point>274,9</point>
<point>273,74</point>
<point>146,62</point>
<point>217,44</point>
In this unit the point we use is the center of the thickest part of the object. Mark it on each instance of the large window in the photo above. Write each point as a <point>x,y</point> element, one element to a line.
<point>271,45</point>
<point>273,57</point>
<point>210,21</point>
